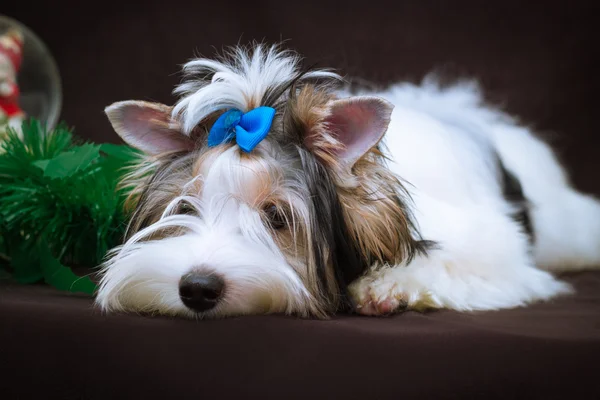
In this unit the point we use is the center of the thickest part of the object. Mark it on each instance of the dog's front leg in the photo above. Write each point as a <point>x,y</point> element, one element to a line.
<point>439,282</point>
<point>482,263</point>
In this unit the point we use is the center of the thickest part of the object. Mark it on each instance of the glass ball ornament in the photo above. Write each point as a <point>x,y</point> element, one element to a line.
<point>38,78</point>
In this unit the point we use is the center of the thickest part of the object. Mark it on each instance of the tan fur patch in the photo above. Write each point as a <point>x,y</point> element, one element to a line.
<point>376,218</point>
<point>308,113</point>
<point>369,192</point>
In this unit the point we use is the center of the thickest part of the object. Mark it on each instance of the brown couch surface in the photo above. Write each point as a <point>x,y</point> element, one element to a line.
<point>534,58</point>
<point>59,347</point>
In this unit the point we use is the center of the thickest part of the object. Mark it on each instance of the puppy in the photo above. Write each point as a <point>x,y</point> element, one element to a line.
<point>267,189</point>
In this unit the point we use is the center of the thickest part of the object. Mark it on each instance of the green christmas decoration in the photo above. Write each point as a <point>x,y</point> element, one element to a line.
<point>60,205</point>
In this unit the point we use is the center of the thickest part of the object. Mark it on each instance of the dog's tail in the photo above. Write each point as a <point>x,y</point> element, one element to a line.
<point>567,229</point>
<point>565,222</point>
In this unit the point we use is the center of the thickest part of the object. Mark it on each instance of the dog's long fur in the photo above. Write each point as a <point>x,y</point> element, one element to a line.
<point>456,207</point>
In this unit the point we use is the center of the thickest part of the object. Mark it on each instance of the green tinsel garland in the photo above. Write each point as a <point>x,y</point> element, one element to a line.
<point>59,205</point>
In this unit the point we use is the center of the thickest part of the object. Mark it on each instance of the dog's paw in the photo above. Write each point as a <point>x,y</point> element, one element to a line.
<point>391,290</point>
<point>377,297</point>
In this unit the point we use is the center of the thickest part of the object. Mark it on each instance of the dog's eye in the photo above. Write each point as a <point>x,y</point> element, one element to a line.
<point>185,208</point>
<point>275,217</point>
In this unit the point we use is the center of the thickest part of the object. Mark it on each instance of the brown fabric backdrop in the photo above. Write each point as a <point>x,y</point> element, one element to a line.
<point>534,57</point>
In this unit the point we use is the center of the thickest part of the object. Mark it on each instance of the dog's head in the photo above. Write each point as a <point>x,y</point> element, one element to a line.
<point>285,227</point>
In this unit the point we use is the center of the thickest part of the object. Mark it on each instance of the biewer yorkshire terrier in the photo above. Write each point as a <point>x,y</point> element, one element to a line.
<point>271,189</point>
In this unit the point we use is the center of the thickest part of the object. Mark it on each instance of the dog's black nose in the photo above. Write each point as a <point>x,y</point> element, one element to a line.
<point>201,292</point>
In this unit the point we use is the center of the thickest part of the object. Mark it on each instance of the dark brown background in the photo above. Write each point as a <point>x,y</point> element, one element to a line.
<point>534,57</point>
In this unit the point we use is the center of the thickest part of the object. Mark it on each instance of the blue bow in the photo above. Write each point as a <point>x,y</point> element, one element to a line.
<point>248,129</point>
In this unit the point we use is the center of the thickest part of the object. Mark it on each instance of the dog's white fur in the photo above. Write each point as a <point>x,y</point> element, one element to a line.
<point>232,85</point>
<point>442,142</point>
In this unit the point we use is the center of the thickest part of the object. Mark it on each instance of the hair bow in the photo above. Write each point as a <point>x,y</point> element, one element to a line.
<point>248,129</point>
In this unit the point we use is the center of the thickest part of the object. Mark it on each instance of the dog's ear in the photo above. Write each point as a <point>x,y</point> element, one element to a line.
<point>356,123</point>
<point>148,127</point>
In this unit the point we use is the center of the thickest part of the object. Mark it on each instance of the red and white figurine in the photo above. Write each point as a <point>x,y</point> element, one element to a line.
<point>11,55</point>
